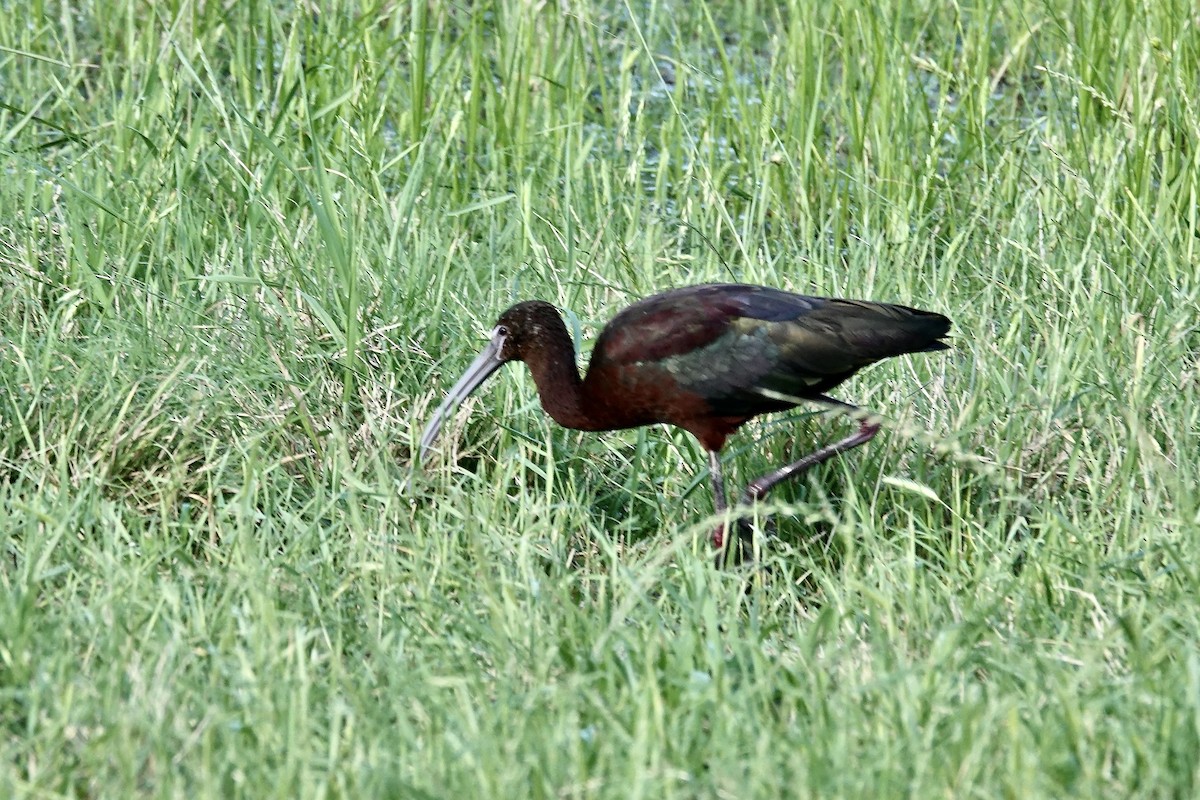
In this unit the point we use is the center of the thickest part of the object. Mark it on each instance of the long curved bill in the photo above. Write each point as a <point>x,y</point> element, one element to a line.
<point>484,365</point>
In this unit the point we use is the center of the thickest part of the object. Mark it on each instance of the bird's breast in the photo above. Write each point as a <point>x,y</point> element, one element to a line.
<point>641,393</point>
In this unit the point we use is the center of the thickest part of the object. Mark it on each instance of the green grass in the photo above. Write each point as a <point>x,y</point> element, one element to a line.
<point>244,249</point>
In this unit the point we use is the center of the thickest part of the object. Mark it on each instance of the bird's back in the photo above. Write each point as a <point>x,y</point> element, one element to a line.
<point>745,350</point>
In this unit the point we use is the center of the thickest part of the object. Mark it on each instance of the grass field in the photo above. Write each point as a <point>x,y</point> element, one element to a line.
<point>245,248</point>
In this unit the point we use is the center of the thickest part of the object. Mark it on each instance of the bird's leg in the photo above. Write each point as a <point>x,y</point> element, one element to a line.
<point>727,552</point>
<point>758,488</point>
<point>718,482</point>
<point>720,503</point>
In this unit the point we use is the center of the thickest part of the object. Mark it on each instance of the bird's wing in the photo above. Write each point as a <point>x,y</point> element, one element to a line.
<point>746,349</point>
<point>681,321</point>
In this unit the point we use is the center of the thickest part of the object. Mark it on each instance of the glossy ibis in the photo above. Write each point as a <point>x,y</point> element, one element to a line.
<point>706,359</point>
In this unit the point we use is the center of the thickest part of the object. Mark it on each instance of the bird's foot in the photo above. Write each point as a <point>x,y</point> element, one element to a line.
<point>727,542</point>
<point>736,546</point>
<point>718,537</point>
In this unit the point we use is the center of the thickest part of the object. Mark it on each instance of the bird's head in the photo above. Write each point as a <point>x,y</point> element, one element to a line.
<point>518,336</point>
<point>523,329</point>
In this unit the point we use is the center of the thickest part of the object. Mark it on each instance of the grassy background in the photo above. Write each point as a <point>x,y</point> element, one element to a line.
<point>245,247</point>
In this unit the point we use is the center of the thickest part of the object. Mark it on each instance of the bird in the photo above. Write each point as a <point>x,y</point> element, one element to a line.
<point>706,359</point>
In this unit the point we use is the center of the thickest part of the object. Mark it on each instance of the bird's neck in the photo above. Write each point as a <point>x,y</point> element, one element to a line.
<point>561,389</point>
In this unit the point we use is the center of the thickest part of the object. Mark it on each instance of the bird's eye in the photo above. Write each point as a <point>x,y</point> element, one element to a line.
<point>502,330</point>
